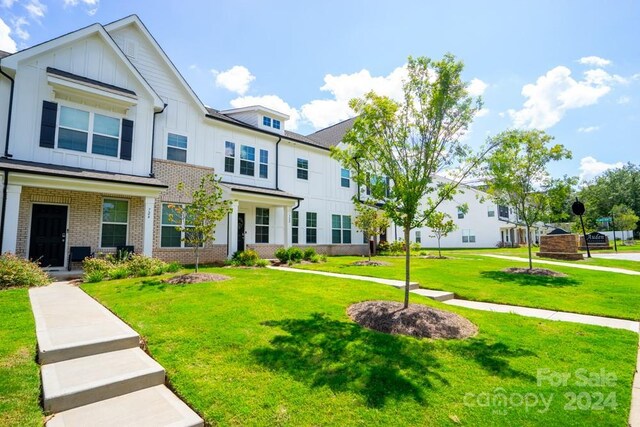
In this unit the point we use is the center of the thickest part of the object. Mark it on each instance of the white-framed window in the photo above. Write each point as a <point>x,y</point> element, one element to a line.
<point>176,147</point>
<point>340,229</point>
<point>262,225</point>
<point>229,156</point>
<point>418,236</point>
<point>345,178</point>
<point>302,169</point>
<point>264,164</point>
<point>503,212</point>
<point>115,223</point>
<point>86,131</point>
<point>247,160</point>
<point>468,236</point>
<point>491,211</point>
<point>276,124</point>
<point>170,236</point>
<point>460,213</point>
<point>312,227</point>
<point>295,222</point>
<point>266,121</point>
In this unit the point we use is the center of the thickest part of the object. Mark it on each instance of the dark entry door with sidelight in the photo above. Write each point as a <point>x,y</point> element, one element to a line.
<point>240,232</point>
<point>48,234</point>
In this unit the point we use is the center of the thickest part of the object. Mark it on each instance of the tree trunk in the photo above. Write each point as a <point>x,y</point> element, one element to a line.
<point>407,278</point>
<point>529,247</point>
<point>369,246</point>
<point>439,251</point>
<point>197,258</point>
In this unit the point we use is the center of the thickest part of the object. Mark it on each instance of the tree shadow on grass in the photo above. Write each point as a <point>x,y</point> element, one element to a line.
<point>346,357</point>
<point>530,279</point>
<point>152,283</point>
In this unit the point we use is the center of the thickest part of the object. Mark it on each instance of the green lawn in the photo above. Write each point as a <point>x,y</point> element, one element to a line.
<point>19,374</point>
<point>481,279</point>
<point>276,348</point>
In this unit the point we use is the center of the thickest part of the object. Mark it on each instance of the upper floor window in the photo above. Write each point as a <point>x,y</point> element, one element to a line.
<point>491,211</point>
<point>303,169</point>
<point>177,147</point>
<point>262,225</point>
<point>78,129</point>
<point>247,160</point>
<point>345,178</point>
<point>340,229</point>
<point>266,121</point>
<point>271,123</point>
<point>460,213</point>
<point>276,124</point>
<point>503,211</point>
<point>115,219</point>
<point>229,156</point>
<point>264,164</point>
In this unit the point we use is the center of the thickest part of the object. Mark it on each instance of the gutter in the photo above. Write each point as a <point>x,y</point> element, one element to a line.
<point>6,144</point>
<point>153,138</point>
<point>277,156</point>
<point>3,213</point>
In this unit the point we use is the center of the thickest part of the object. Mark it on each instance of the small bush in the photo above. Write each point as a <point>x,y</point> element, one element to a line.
<point>136,265</point>
<point>282,254</point>
<point>315,258</point>
<point>383,246</point>
<point>308,254</point>
<point>262,263</point>
<point>247,258</point>
<point>295,254</point>
<point>323,258</point>
<point>396,247</point>
<point>415,247</point>
<point>174,267</point>
<point>91,265</point>
<point>94,276</point>
<point>118,272</point>
<point>16,271</point>
<point>141,266</point>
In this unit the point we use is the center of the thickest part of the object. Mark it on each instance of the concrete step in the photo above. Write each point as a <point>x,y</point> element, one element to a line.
<point>71,324</point>
<point>154,406</point>
<point>436,295</point>
<point>85,380</point>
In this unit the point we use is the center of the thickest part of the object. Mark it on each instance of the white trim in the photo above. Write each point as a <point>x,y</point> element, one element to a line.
<point>258,109</point>
<point>126,241</point>
<point>65,256</point>
<point>67,86</point>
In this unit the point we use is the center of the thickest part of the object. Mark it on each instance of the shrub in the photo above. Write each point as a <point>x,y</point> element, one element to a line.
<point>141,266</point>
<point>415,247</point>
<point>308,254</point>
<point>383,246</point>
<point>16,271</point>
<point>295,254</point>
<point>323,258</point>
<point>262,263</point>
<point>396,247</point>
<point>282,254</point>
<point>102,265</point>
<point>246,258</point>
<point>118,272</point>
<point>315,258</point>
<point>174,267</point>
<point>94,276</point>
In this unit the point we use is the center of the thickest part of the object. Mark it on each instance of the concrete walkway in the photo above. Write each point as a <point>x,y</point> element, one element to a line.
<point>625,256</point>
<point>565,264</point>
<point>93,370</point>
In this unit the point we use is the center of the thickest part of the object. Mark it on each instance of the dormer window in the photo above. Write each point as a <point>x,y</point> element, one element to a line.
<point>266,121</point>
<point>276,124</point>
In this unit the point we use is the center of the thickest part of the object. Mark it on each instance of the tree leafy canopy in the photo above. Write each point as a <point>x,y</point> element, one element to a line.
<point>370,220</point>
<point>441,225</point>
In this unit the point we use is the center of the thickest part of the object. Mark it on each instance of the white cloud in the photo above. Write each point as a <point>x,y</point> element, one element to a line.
<point>624,100</point>
<point>236,79</point>
<point>590,168</point>
<point>270,101</point>
<point>554,93</point>
<point>36,9</point>
<point>482,112</point>
<point>595,61</point>
<point>8,3</point>
<point>6,42</point>
<point>91,4</point>
<point>18,27</point>
<point>476,87</point>
<point>588,129</point>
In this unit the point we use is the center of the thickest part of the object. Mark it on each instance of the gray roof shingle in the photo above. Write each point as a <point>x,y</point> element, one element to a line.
<point>333,135</point>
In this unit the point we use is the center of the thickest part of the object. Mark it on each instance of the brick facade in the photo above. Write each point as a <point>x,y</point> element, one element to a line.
<point>559,246</point>
<point>354,249</point>
<point>84,217</point>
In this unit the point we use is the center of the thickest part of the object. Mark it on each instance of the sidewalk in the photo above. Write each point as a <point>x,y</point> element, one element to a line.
<point>565,264</point>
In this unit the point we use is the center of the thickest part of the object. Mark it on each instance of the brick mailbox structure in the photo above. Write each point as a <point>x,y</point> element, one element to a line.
<point>560,246</point>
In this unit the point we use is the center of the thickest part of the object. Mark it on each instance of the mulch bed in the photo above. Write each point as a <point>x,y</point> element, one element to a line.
<point>534,272</point>
<point>187,279</point>
<point>434,257</point>
<point>368,263</point>
<point>417,320</point>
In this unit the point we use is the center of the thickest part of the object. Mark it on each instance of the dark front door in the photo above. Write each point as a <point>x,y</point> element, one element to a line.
<point>240,232</point>
<point>48,234</point>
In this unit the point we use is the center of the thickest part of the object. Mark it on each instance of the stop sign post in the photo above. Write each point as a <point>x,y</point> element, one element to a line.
<point>578,208</point>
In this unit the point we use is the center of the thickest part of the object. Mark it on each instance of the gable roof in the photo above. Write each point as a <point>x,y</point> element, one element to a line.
<point>135,20</point>
<point>334,134</point>
<point>4,54</point>
<point>11,61</point>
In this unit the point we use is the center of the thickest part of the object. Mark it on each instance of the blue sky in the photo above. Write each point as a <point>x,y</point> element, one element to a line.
<point>571,68</point>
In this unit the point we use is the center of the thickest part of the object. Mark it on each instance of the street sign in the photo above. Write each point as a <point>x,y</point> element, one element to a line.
<point>604,219</point>
<point>577,208</point>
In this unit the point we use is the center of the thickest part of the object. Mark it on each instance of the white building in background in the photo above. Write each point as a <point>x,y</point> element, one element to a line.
<point>101,127</point>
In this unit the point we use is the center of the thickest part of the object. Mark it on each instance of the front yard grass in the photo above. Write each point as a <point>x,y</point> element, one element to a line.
<point>19,373</point>
<point>480,278</point>
<point>277,348</point>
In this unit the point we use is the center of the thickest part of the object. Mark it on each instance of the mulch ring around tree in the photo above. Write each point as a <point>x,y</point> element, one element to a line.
<point>368,263</point>
<point>534,272</point>
<point>417,320</point>
<point>190,278</point>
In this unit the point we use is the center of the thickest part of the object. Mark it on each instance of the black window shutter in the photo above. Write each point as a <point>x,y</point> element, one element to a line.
<point>48,124</point>
<point>126,140</point>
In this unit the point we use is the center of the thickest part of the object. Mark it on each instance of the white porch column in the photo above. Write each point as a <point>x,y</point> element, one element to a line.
<point>287,227</point>
<point>149,215</point>
<point>232,229</point>
<point>280,225</point>
<point>10,238</point>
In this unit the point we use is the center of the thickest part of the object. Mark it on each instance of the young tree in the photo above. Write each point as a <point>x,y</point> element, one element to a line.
<point>518,176</point>
<point>441,225</point>
<point>624,218</point>
<point>197,221</point>
<point>370,220</point>
<point>406,143</point>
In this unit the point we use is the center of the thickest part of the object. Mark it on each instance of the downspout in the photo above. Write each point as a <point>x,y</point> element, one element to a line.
<point>153,137</point>
<point>5,182</point>
<point>277,156</point>
<point>6,143</point>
